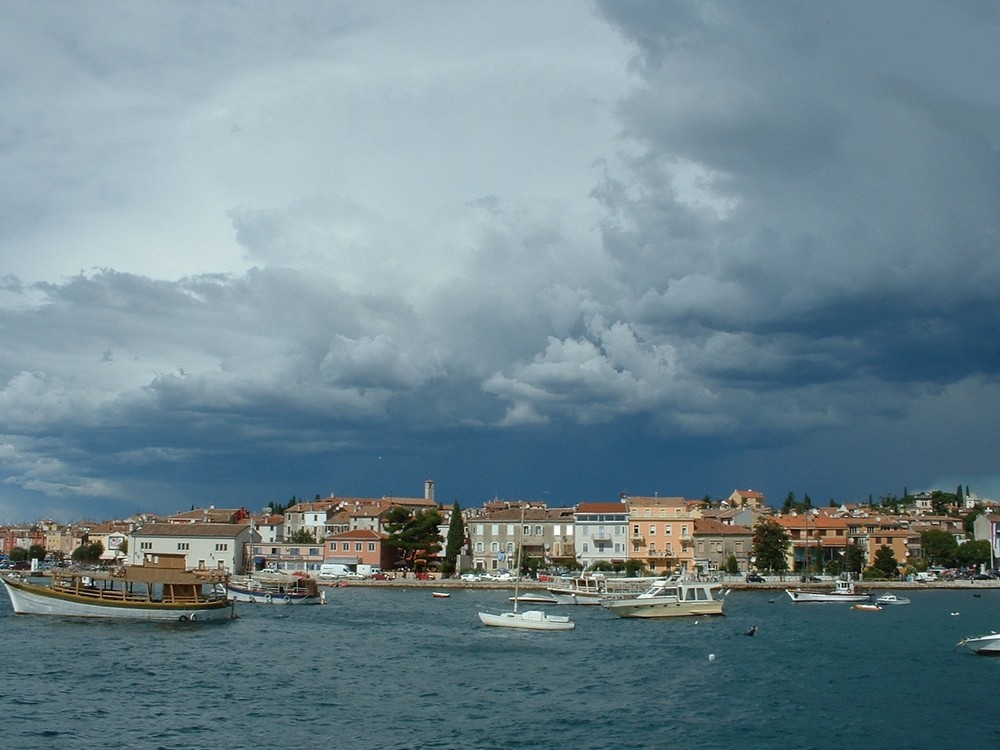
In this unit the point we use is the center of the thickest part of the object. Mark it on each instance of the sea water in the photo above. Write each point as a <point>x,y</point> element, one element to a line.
<point>397,668</point>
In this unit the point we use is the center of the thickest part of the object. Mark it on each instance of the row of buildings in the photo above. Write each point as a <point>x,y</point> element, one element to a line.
<point>658,534</point>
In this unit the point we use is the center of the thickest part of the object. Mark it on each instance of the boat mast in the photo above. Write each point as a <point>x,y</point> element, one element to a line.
<point>520,543</point>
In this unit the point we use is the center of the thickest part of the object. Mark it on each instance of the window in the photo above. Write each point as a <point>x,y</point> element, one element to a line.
<point>494,529</point>
<point>479,546</point>
<point>585,550</point>
<point>345,546</point>
<point>313,552</point>
<point>538,531</point>
<point>371,546</point>
<point>635,530</point>
<point>145,545</point>
<point>221,547</point>
<point>555,530</point>
<point>652,529</point>
<point>494,546</point>
<point>183,546</point>
<point>357,546</point>
<point>668,529</point>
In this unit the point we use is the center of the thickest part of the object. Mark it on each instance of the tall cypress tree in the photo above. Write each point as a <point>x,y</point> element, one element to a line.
<point>456,540</point>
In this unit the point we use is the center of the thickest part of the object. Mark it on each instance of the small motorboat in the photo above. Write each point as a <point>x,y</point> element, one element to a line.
<point>887,599</point>
<point>440,595</point>
<point>868,607</point>
<point>985,645</point>
<point>534,599</point>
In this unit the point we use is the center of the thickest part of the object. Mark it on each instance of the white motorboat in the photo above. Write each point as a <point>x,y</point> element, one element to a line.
<point>667,598</point>
<point>843,591</point>
<point>588,589</point>
<point>868,607</point>
<point>532,619</point>
<point>534,599</point>
<point>161,589</point>
<point>887,599</point>
<point>985,645</point>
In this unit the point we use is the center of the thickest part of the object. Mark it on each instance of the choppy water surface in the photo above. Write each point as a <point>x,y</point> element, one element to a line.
<point>398,669</point>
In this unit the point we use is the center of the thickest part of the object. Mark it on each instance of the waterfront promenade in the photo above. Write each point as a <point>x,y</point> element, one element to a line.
<point>774,583</point>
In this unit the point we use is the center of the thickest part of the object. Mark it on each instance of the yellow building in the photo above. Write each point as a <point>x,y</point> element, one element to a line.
<point>661,533</point>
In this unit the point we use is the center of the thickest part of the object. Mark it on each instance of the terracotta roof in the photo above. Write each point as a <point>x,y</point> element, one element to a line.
<point>226,530</point>
<point>602,508</point>
<point>356,535</point>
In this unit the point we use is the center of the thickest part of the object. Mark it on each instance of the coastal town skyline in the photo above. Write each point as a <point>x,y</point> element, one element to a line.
<point>554,251</point>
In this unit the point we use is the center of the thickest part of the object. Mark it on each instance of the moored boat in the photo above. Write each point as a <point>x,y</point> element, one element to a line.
<point>532,619</point>
<point>160,589</point>
<point>668,598</point>
<point>887,599</point>
<point>589,589</point>
<point>268,587</point>
<point>868,607</point>
<point>534,599</point>
<point>843,591</point>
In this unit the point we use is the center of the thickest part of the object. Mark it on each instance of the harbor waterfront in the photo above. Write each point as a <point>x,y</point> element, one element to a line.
<point>387,665</point>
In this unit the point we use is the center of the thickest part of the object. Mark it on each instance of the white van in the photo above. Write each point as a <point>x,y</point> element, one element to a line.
<point>336,570</point>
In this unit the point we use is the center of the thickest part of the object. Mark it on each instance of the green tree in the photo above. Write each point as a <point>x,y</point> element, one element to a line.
<point>973,554</point>
<point>36,552</point>
<point>88,553</point>
<point>732,565</point>
<point>455,542</point>
<point>302,536</point>
<point>854,558</point>
<point>18,554</point>
<point>885,562</point>
<point>770,545</point>
<point>413,534</point>
<point>790,503</point>
<point>969,524</point>
<point>939,547</point>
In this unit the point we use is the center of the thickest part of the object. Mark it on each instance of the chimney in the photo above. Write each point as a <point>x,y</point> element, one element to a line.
<point>429,489</point>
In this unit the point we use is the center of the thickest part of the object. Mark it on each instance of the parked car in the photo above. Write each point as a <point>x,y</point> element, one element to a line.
<point>471,577</point>
<point>381,576</point>
<point>755,578</point>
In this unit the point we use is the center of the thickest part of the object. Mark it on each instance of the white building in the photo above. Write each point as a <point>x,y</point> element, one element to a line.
<point>206,545</point>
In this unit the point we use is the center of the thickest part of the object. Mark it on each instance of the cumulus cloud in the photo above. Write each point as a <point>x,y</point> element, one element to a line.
<point>701,229</point>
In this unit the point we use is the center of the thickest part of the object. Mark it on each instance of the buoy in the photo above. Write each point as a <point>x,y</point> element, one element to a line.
<point>711,657</point>
<point>954,614</point>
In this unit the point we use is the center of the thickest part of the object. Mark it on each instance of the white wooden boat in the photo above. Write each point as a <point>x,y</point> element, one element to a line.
<point>533,619</point>
<point>161,589</point>
<point>268,587</point>
<point>887,599</point>
<point>985,645</point>
<point>868,607</point>
<point>440,594</point>
<point>843,591</point>
<point>669,598</point>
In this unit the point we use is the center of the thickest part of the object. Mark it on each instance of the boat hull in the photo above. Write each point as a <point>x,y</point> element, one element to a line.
<point>31,599</point>
<point>984,645</point>
<point>248,596</point>
<point>529,620</point>
<point>799,597</point>
<point>648,608</point>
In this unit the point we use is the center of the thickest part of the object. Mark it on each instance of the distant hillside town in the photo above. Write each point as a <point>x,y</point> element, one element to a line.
<point>654,535</point>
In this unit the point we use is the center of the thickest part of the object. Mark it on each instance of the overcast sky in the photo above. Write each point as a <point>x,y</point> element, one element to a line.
<point>555,251</point>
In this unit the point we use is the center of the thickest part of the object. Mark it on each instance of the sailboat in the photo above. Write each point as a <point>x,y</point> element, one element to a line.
<point>532,619</point>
